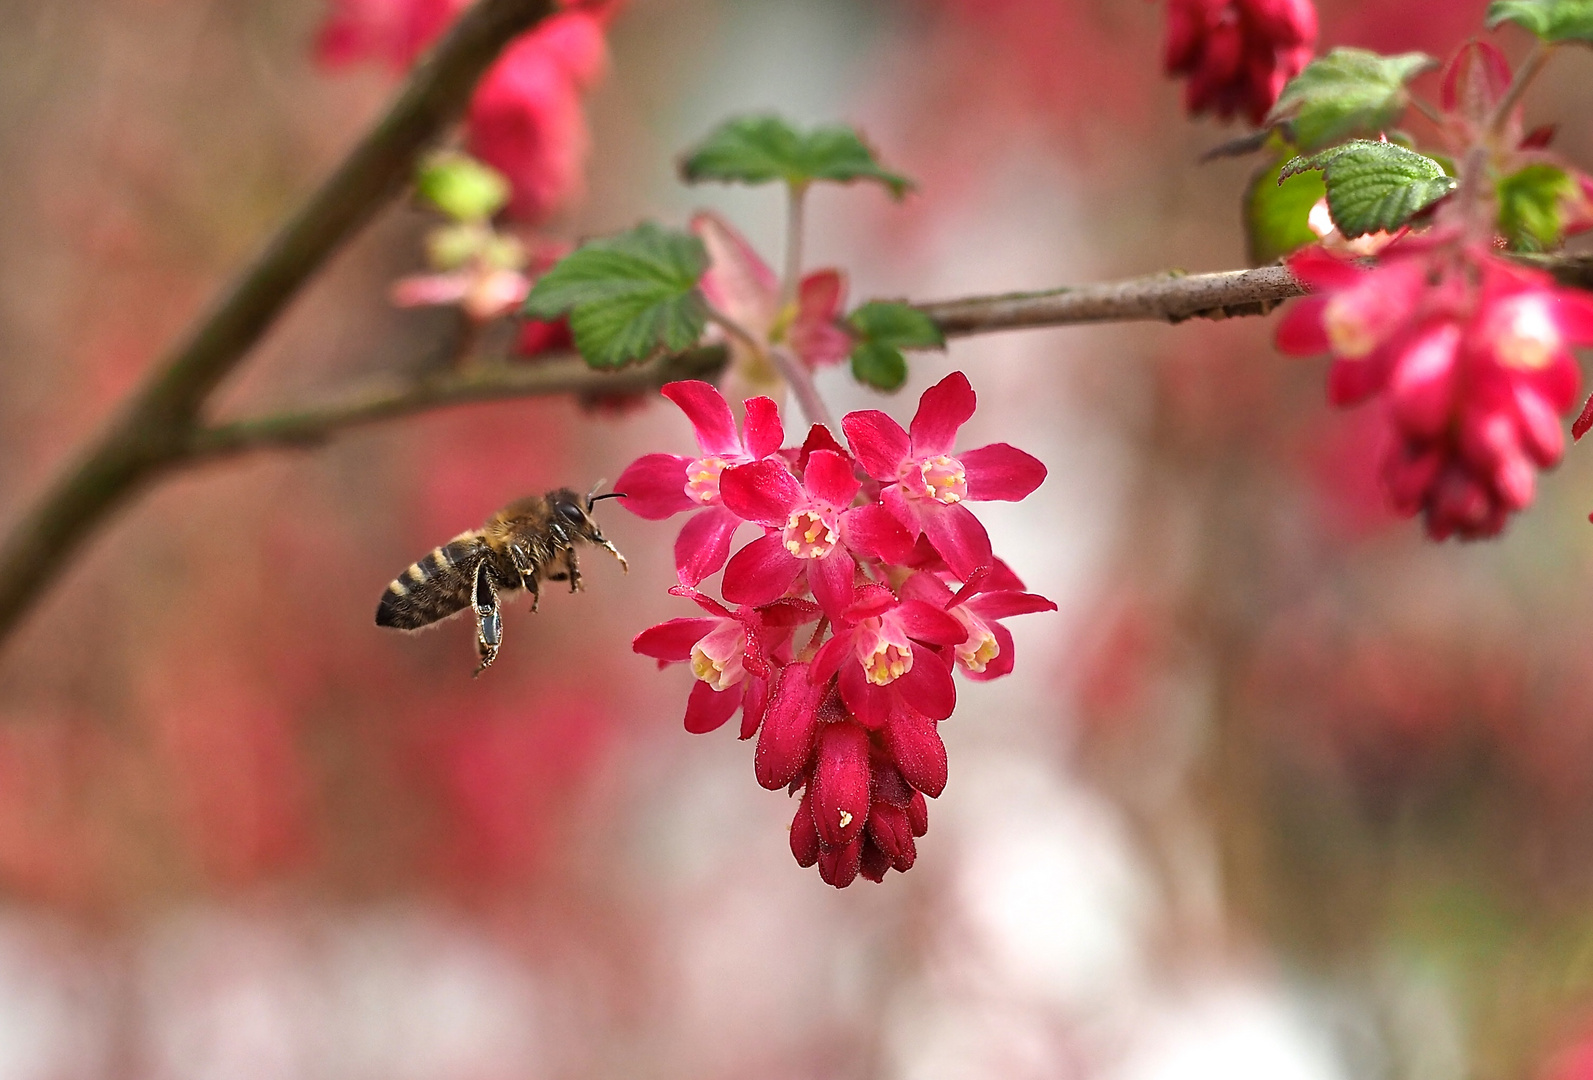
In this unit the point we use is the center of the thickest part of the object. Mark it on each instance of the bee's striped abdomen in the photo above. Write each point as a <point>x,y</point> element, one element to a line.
<point>434,587</point>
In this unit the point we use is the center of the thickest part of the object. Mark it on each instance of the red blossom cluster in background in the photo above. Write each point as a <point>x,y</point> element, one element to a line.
<point>1471,355</point>
<point>875,548</point>
<point>526,118</point>
<point>1238,54</point>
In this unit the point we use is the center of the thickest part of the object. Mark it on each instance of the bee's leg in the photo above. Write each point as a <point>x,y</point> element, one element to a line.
<point>608,545</point>
<point>489,617</point>
<point>532,582</point>
<point>572,568</point>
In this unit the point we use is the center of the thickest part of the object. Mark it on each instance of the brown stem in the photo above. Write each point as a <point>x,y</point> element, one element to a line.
<point>316,425</point>
<point>153,429</point>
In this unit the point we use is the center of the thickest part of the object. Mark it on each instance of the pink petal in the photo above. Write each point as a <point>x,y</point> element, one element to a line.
<point>821,294</point>
<point>874,532</point>
<point>789,726</point>
<point>738,282</point>
<point>928,687</point>
<point>959,537</point>
<point>655,486</point>
<point>709,414</point>
<point>915,746</point>
<point>1005,604</point>
<point>764,491</point>
<point>926,622</point>
<point>814,335</point>
<point>1002,664</point>
<point>708,709</point>
<point>672,640</point>
<point>426,290</point>
<point>1320,272</point>
<point>999,471</point>
<point>763,428</point>
<point>1573,314</point>
<point>702,600</point>
<point>1301,331</point>
<point>831,580</point>
<point>819,438</point>
<point>1421,391</point>
<point>704,544</point>
<point>943,409</point>
<point>878,442</point>
<point>1351,382</point>
<point>760,572</point>
<point>829,477</point>
<point>827,661</point>
<point>841,784</point>
<point>870,705</point>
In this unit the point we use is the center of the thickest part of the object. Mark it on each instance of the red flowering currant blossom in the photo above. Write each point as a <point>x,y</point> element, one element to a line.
<point>731,653</point>
<point>658,486</point>
<point>394,32</point>
<point>1238,54</point>
<point>925,485</point>
<point>887,650</point>
<point>986,652</point>
<point>526,119</point>
<point>742,286</point>
<point>1471,355</point>
<point>851,720</point>
<point>813,527</point>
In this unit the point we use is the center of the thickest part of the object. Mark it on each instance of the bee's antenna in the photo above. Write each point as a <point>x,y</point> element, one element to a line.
<point>591,500</point>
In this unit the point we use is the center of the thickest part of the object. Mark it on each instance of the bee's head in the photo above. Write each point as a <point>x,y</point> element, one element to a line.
<point>573,511</point>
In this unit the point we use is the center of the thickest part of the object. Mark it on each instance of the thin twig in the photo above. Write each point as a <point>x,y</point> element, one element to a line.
<point>1525,74</point>
<point>152,431</point>
<point>796,202</point>
<point>313,426</point>
<point>792,370</point>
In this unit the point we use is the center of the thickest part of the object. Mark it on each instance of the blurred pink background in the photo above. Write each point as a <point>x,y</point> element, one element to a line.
<point>1283,792</point>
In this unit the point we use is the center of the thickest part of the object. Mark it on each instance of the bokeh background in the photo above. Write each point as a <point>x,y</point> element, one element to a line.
<point>1283,791</point>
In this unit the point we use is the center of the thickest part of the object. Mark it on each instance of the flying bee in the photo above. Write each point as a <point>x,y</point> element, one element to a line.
<point>522,545</point>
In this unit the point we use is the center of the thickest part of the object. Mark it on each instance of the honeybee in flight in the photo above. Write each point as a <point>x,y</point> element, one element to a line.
<point>519,547</point>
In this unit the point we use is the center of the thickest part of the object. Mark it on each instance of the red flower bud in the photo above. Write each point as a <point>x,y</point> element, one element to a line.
<point>841,784</point>
<point>839,866</point>
<point>804,837</point>
<point>890,829</point>
<point>789,724</point>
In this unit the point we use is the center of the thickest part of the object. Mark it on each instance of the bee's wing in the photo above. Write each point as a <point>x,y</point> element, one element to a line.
<point>435,587</point>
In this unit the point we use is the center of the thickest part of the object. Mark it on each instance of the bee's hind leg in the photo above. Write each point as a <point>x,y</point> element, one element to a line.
<point>572,569</point>
<point>489,618</point>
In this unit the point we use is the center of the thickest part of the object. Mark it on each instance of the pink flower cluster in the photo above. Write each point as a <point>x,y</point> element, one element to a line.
<point>1470,354</point>
<point>1238,54</point>
<point>842,623</point>
<point>526,118</point>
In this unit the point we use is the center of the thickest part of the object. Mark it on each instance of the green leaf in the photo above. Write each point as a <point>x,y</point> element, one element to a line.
<point>628,297</point>
<point>1374,186</point>
<point>1530,214</point>
<point>900,326</point>
<point>1277,211</point>
<point>1347,92</point>
<point>462,187</point>
<point>1551,20</point>
<point>879,366</point>
<point>759,149</point>
<point>883,329</point>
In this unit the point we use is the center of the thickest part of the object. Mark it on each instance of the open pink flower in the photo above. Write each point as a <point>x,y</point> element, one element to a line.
<point>987,651</point>
<point>742,285</point>
<point>925,484</point>
<point>658,486</point>
<point>732,654</point>
<point>812,526</point>
<point>885,649</point>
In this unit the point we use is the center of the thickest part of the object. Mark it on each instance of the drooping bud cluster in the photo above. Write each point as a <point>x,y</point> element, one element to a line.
<point>1470,354</point>
<point>526,119</point>
<point>1238,54</point>
<point>871,583</point>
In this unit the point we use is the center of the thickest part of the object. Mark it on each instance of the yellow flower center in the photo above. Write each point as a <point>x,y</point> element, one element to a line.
<point>1530,340</point>
<point>702,479</point>
<point>811,533</point>
<point>884,651</point>
<point>981,645</point>
<point>1349,332</point>
<point>941,478</point>
<point>716,659</point>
